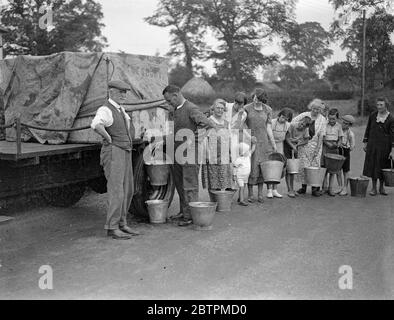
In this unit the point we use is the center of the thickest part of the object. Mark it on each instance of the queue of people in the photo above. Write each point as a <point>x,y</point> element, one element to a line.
<point>238,138</point>
<point>255,134</point>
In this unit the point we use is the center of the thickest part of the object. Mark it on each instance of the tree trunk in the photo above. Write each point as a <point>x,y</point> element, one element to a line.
<point>188,56</point>
<point>235,67</point>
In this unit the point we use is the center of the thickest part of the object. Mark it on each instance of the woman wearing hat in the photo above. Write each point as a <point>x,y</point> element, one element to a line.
<point>378,145</point>
<point>347,145</point>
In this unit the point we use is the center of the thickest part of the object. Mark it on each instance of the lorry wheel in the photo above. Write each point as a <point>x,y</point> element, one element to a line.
<point>143,189</point>
<point>98,185</point>
<point>64,196</point>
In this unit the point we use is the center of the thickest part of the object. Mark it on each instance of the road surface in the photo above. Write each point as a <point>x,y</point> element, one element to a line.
<point>282,249</point>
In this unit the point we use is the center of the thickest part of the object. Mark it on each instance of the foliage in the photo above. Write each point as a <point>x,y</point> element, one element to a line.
<point>76,27</point>
<point>240,26</point>
<point>271,73</point>
<point>186,31</point>
<point>179,75</point>
<point>370,100</point>
<point>333,95</point>
<point>294,77</point>
<point>316,85</point>
<point>379,49</point>
<point>341,70</point>
<point>295,100</point>
<point>307,43</point>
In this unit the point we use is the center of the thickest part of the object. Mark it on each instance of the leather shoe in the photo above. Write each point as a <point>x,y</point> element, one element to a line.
<point>373,193</point>
<point>316,193</point>
<point>383,192</point>
<point>118,235</point>
<point>127,229</point>
<point>185,222</point>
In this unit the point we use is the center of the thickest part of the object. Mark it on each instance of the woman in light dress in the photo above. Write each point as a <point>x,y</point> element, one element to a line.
<point>310,154</point>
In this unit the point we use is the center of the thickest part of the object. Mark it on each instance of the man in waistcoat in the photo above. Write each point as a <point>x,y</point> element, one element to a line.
<point>114,125</point>
<point>186,116</point>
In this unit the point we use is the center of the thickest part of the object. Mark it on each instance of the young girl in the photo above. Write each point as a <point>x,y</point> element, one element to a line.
<point>242,167</point>
<point>348,144</point>
<point>331,141</point>
<point>297,136</point>
<point>280,125</point>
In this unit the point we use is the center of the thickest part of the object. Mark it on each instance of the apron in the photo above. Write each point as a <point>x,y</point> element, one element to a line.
<point>279,131</point>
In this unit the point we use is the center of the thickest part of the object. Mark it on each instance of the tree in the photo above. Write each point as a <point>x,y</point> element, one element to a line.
<point>240,26</point>
<point>307,43</point>
<point>76,27</point>
<point>379,48</point>
<point>186,31</point>
<point>349,10</point>
<point>179,75</point>
<point>342,71</point>
<point>271,73</point>
<point>295,77</point>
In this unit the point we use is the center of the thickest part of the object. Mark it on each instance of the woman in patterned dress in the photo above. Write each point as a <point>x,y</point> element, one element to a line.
<point>217,173</point>
<point>310,154</point>
<point>258,120</point>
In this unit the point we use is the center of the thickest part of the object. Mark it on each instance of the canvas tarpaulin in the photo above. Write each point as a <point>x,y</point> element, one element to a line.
<point>51,91</point>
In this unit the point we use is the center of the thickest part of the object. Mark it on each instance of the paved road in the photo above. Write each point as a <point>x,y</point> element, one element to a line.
<point>288,249</point>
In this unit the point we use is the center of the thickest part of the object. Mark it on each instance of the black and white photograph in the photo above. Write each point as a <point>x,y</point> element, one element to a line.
<point>196,154</point>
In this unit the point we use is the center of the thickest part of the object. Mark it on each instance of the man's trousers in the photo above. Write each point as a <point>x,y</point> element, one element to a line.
<point>186,184</point>
<point>118,170</point>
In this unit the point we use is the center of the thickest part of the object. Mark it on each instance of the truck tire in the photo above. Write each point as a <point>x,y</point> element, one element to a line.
<point>64,196</point>
<point>143,189</point>
<point>98,185</point>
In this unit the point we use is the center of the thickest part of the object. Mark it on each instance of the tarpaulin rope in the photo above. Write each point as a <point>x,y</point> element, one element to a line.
<point>6,126</point>
<point>51,129</point>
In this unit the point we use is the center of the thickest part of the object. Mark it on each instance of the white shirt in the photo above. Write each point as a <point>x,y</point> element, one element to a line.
<point>242,165</point>
<point>348,140</point>
<point>104,115</point>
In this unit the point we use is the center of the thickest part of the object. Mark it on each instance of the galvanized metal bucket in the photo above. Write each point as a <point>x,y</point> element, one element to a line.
<point>334,162</point>
<point>157,210</point>
<point>388,175</point>
<point>358,186</point>
<point>202,214</point>
<point>272,171</point>
<point>314,176</point>
<point>158,174</point>
<point>222,198</point>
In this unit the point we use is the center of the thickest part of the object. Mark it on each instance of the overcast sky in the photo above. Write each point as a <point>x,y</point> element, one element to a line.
<point>127,31</point>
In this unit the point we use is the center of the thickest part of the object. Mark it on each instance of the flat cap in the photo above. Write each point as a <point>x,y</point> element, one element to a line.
<point>349,118</point>
<point>118,84</point>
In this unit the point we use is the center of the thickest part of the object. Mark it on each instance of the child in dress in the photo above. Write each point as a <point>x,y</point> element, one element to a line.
<point>332,139</point>
<point>348,144</point>
<point>280,125</point>
<point>297,136</point>
<point>242,167</point>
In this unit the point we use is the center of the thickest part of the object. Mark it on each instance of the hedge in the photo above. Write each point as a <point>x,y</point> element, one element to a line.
<point>334,95</point>
<point>294,99</point>
<point>370,101</point>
